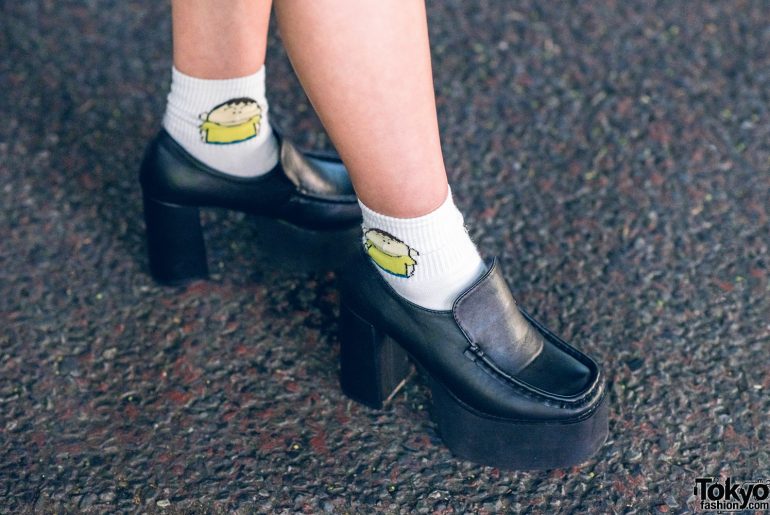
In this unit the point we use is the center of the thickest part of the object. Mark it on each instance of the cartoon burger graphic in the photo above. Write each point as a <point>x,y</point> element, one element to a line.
<point>233,121</point>
<point>390,253</point>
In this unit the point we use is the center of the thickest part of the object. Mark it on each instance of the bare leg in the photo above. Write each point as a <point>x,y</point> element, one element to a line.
<point>219,40</point>
<point>366,68</point>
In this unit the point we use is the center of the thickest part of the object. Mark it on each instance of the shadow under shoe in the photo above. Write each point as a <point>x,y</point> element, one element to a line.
<point>288,248</point>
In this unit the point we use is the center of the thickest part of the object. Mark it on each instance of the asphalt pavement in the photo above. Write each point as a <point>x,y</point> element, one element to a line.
<point>615,155</point>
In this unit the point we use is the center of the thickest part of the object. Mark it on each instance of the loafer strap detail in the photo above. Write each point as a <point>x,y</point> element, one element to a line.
<point>489,317</point>
<point>311,177</point>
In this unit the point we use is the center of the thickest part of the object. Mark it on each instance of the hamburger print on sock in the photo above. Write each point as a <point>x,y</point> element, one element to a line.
<point>429,260</point>
<point>389,253</point>
<point>233,121</point>
<point>223,123</point>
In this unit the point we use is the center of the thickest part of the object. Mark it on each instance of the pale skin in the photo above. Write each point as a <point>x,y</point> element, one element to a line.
<point>364,64</point>
<point>219,40</point>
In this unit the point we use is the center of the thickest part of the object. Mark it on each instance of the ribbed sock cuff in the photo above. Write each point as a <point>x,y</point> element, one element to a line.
<point>244,151</point>
<point>439,238</point>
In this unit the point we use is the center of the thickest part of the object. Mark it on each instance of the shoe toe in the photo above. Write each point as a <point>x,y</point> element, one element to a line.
<point>557,373</point>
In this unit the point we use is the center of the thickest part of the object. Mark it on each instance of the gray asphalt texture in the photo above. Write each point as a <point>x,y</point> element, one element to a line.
<point>614,155</point>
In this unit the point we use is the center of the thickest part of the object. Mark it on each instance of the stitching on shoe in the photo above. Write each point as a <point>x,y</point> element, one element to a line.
<point>519,387</point>
<point>580,417</point>
<point>491,368</point>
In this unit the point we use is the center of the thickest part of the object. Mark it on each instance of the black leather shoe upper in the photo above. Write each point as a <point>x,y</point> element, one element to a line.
<point>308,190</point>
<point>489,353</point>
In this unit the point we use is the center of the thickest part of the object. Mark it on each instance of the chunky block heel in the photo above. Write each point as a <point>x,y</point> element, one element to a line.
<point>372,366</point>
<point>175,245</point>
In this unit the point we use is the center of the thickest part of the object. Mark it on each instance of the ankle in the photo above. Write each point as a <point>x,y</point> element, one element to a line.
<point>223,123</point>
<point>429,259</point>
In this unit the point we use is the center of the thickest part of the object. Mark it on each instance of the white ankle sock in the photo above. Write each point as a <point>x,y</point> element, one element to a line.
<point>428,260</point>
<point>223,123</point>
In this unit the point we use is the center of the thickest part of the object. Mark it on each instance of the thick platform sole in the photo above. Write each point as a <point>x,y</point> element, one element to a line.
<point>373,366</point>
<point>177,249</point>
<point>516,445</point>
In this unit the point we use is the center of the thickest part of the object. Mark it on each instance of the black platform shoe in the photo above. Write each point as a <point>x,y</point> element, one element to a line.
<point>506,392</point>
<point>310,190</point>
